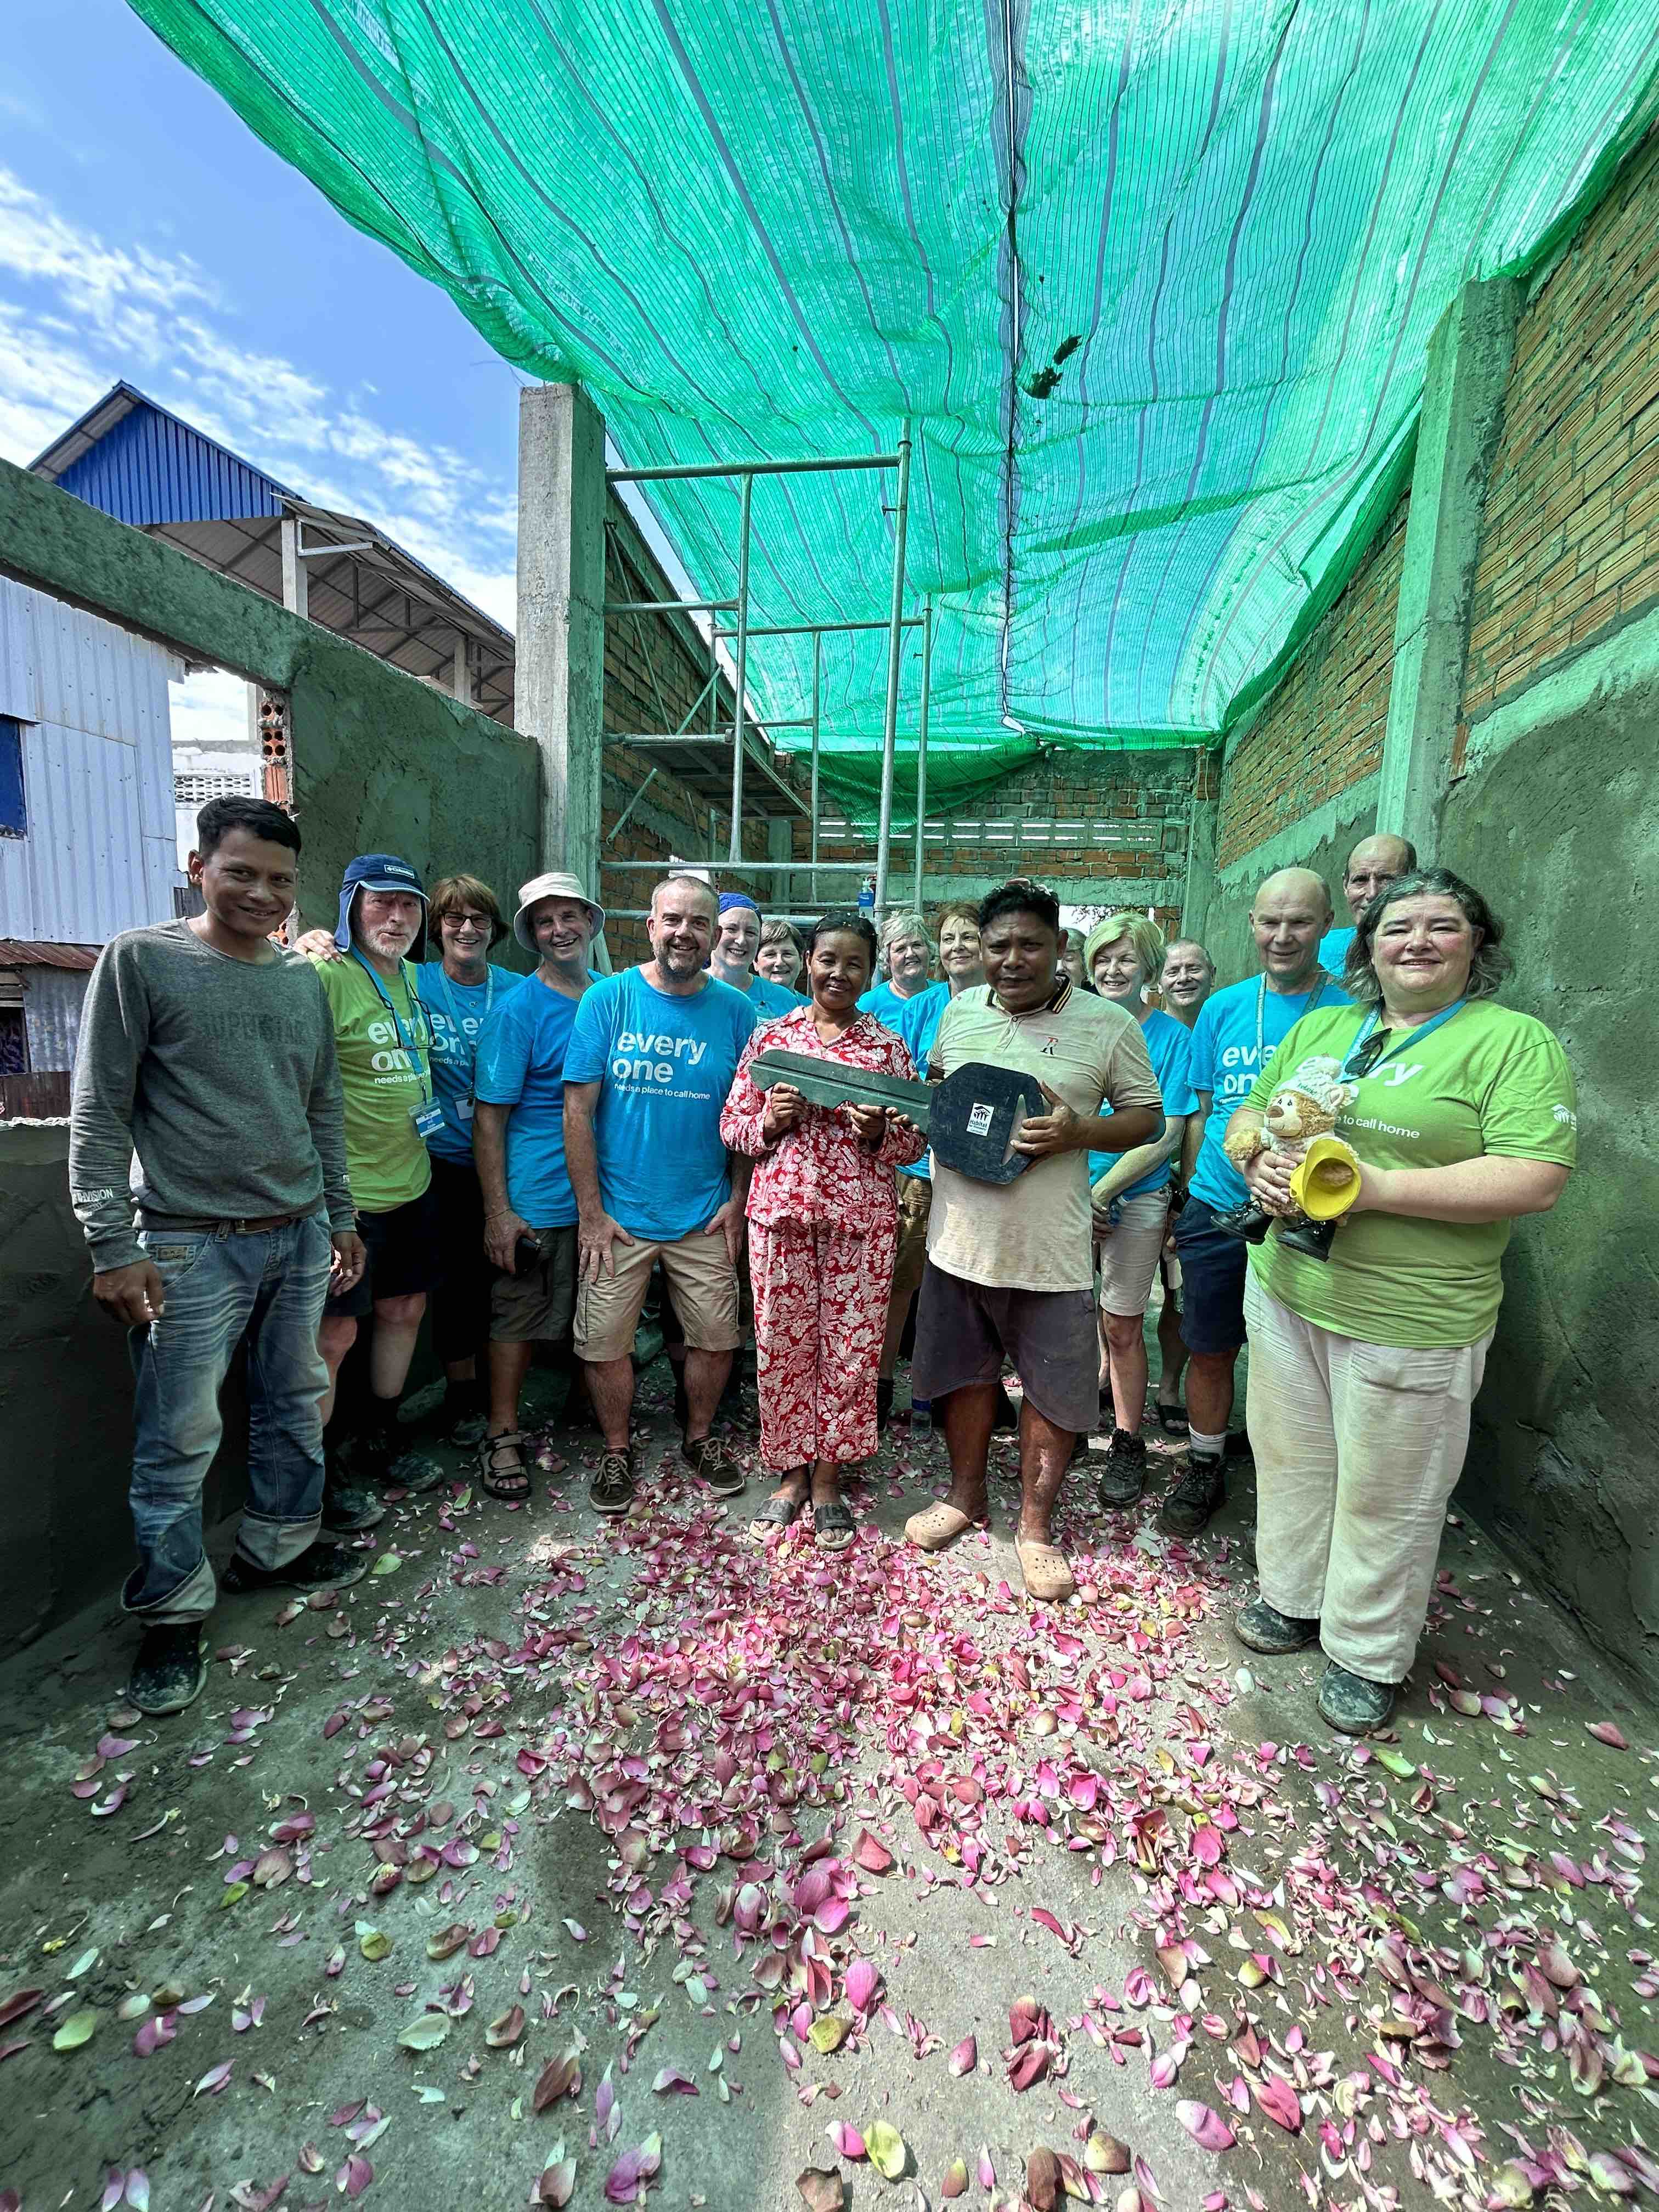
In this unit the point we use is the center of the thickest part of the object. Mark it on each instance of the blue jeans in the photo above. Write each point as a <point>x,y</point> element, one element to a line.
<point>272,1287</point>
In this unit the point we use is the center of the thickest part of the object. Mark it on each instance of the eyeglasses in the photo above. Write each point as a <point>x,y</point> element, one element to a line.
<point>1362,1061</point>
<point>468,920</point>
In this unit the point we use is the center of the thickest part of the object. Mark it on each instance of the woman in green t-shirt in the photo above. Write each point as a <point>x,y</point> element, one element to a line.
<point>1363,1368</point>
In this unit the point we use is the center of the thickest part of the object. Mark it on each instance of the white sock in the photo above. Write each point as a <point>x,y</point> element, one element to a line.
<point>1216,1446</point>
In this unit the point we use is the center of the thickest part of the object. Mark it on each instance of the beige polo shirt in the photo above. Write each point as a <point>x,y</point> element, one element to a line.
<point>1034,1234</point>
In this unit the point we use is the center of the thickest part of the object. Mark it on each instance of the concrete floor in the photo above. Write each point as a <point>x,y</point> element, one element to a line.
<point>1372,1925</point>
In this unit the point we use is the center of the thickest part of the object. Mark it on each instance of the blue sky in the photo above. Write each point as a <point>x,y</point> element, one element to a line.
<point>145,232</point>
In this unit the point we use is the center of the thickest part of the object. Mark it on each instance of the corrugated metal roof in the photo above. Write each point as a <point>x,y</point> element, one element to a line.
<point>149,469</point>
<point>33,953</point>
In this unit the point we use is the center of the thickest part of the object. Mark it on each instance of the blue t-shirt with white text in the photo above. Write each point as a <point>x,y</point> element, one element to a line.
<point>521,1060</point>
<point>1169,1046</point>
<point>1224,1063</point>
<point>664,1065</point>
<point>458,1012</point>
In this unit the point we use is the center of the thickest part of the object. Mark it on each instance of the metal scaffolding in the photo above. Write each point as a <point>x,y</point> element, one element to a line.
<point>737,632</point>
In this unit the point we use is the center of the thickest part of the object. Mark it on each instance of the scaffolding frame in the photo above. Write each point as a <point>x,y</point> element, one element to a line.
<point>738,633</point>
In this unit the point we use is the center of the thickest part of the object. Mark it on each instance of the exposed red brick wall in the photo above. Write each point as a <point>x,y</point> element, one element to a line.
<point>1570,540</point>
<point>1322,729</point>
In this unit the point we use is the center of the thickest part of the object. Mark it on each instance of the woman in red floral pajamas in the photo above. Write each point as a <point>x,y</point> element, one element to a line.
<point>823,1225</point>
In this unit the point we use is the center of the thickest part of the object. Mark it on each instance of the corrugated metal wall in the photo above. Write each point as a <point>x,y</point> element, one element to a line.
<point>97,773</point>
<point>52,1015</point>
<point>149,469</point>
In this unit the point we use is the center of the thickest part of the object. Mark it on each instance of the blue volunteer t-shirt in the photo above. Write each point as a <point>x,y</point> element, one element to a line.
<point>884,1003</point>
<point>1225,1063</point>
<point>521,1060</point>
<point>1334,951</point>
<point>916,1020</point>
<point>770,1000</point>
<point>1169,1044</point>
<point>458,1012</point>
<point>664,1065</point>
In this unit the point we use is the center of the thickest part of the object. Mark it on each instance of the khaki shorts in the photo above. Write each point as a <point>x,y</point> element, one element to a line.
<point>1128,1258</point>
<point>702,1281</point>
<point>537,1308</point>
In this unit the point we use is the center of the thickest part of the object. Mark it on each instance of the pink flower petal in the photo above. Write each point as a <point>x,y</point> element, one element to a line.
<point>963,2059</point>
<point>1205,2125</point>
<point>1604,1730</point>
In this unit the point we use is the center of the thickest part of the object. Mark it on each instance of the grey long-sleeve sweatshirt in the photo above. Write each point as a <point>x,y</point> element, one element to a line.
<point>219,1074</point>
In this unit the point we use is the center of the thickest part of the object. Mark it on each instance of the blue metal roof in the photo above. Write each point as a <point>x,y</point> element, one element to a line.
<point>131,460</point>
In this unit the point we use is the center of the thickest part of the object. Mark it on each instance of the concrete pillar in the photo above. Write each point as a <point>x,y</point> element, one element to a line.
<point>559,682</point>
<point>1202,883</point>
<point>460,673</point>
<point>295,596</point>
<point>1470,356</point>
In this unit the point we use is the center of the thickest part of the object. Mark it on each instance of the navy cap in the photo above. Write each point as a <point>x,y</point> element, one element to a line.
<point>377,871</point>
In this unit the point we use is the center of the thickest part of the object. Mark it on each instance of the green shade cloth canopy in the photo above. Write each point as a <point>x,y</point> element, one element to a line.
<point>1154,284</point>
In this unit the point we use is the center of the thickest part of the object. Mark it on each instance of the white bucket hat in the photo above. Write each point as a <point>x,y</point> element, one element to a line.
<point>555,885</point>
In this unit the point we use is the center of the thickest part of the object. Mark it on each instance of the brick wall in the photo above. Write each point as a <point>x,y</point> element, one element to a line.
<point>1323,728</point>
<point>1076,817</point>
<point>1570,541</point>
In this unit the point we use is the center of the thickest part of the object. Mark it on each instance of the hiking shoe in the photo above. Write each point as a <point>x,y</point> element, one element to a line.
<point>466,1417</point>
<point>348,1508</point>
<point>1124,1475</point>
<point>170,1669</point>
<point>1195,1496</point>
<point>1349,1702</point>
<point>323,1566</point>
<point>1259,1626</point>
<point>375,1456</point>
<point>712,1464</point>
<point>611,1489</point>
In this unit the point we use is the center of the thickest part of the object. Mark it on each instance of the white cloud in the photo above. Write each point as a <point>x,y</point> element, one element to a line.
<point>77,311</point>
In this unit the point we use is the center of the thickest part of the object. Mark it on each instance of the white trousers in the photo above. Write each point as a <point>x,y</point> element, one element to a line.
<point>1357,1448</point>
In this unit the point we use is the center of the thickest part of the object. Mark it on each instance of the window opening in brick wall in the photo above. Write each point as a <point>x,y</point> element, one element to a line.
<point>196,790</point>
<point>14,805</point>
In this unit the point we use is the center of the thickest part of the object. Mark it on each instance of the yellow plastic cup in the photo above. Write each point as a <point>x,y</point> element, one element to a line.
<point>1326,1181</point>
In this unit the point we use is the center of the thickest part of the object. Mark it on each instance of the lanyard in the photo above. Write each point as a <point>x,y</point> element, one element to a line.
<point>1396,1044</point>
<point>404,1037</point>
<point>1261,1011</point>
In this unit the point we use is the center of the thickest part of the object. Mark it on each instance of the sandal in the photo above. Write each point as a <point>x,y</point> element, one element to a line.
<point>779,1511</point>
<point>936,1526</point>
<point>1172,1420</point>
<point>1048,1580</point>
<point>833,1525</point>
<point>512,1485</point>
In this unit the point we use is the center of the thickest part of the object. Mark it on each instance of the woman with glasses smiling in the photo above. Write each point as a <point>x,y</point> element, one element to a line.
<point>1363,1370</point>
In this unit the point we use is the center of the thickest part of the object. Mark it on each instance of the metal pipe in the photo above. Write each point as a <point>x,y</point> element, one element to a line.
<point>818,629</point>
<point>895,657</point>
<point>667,606</point>
<point>753,867</point>
<point>643,913</point>
<point>621,821</point>
<point>746,497</point>
<point>818,687</point>
<point>921,738</point>
<point>749,469</point>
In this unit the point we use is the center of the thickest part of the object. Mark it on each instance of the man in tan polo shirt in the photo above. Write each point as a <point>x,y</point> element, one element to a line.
<point>1010,1266</point>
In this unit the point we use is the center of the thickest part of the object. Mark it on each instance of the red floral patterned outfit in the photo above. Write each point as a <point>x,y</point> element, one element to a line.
<point>822,1226</point>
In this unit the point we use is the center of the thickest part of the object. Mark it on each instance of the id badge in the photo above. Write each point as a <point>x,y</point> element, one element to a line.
<point>464,1109</point>
<point>428,1119</point>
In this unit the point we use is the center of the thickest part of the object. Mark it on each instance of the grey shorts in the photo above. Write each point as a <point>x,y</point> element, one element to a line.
<point>964,1331</point>
<point>537,1308</point>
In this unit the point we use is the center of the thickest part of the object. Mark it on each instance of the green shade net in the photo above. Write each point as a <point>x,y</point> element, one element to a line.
<point>1153,282</point>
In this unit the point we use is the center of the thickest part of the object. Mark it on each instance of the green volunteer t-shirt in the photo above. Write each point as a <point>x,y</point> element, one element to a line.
<point>1489,1080</point>
<point>386,1160</point>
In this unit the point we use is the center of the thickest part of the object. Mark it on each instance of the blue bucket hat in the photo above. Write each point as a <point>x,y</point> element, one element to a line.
<point>378,872</point>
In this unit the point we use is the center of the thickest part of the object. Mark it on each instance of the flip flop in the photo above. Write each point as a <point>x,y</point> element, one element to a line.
<point>936,1526</point>
<point>1048,1577</point>
<point>778,1512</point>
<point>1172,1420</point>
<point>833,1526</point>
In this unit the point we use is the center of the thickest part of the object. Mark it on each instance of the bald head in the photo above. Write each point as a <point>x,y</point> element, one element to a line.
<point>1374,862</point>
<point>1291,912</point>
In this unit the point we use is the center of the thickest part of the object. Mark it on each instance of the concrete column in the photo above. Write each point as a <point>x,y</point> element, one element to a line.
<point>1201,880</point>
<point>295,596</point>
<point>460,673</point>
<point>1470,356</point>
<point>559,684</point>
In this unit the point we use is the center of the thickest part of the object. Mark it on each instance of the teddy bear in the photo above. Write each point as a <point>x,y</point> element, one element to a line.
<point>1300,1110</point>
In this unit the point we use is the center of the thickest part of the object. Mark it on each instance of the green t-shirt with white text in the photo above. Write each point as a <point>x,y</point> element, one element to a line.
<point>386,1160</point>
<point>1490,1080</point>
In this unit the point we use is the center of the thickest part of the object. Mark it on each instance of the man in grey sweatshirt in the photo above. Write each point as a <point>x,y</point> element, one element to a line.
<point>208,1052</point>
